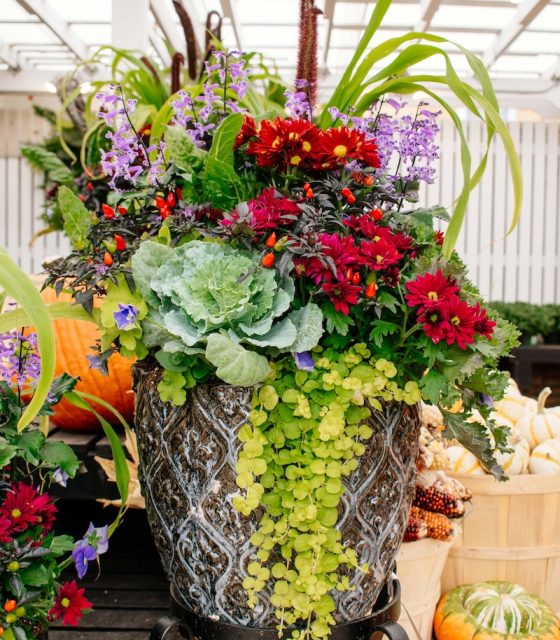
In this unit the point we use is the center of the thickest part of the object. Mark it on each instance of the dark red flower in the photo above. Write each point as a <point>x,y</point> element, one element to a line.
<point>460,320</point>
<point>5,525</point>
<point>342,294</point>
<point>482,323</point>
<point>379,254</point>
<point>267,211</point>
<point>434,323</point>
<point>339,251</point>
<point>283,142</point>
<point>70,604</point>
<point>439,237</point>
<point>402,242</point>
<point>370,229</point>
<point>428,291</point>
<point>25,508</point>
<point>248,130</point>
<point>340,144</point>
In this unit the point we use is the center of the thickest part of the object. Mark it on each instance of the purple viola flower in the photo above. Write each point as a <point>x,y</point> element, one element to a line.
<point>95,362</point>
<point>98,538</point>
<point>82,555</point>
<point>304,361</point>
<point>125,317</point>
<point>60,477</point>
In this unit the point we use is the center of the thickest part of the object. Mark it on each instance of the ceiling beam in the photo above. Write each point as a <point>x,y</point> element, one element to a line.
<point>167,24</point>
<point>428,9</point>
<point>9,56</point>
<point>228,8</point>
<point>527,11</point>
<point>51,19</point>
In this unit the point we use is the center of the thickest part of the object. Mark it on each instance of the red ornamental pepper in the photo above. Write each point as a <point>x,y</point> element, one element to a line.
<point>268,260</point>
<point>122,210</point>
<point>165,212</point>
<point>349,274</point>
<point>356,278</point>
<point>271,240</point>
<point>82,197</point>
<point>371,290</point>
<point>160,202</point>
<point>368,181</point>
<point>171,201</point>
<point>346,192</point>
<point>179,193</point>
<point>309,194</point>
<point>351,198</point>
<point>377,214</point>
<point>89,186</point>
<point>306,186</point>
<point>108,211</point>
<point>107,259</point>
<point>120,243</point>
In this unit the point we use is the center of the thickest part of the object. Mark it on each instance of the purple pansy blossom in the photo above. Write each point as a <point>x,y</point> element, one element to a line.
<point>82,554</point>
<point>125,317</point>
<point>60,477</point>
<point>98,538</point>
<point>95,362</point>
<point>304,361</point>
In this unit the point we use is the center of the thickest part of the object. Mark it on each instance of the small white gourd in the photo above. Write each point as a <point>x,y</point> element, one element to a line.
<point>514,407</point>
<point>545,459</point>
<point>462,461</point>
<point>540,425</point>
<point>517,461</point>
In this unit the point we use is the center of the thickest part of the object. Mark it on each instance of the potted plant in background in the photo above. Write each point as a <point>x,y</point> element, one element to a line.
<point>289,307</point>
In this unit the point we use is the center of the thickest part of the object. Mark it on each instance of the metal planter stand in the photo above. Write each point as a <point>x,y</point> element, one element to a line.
<point>382,622</point>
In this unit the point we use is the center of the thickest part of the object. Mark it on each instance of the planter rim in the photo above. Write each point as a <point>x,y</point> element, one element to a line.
<point>525,484</point>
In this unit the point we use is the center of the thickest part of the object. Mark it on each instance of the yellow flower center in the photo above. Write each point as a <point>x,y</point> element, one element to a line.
<point>65,602</point>
<point>295,160</point>
<point>376,238</point>
<point>293,135</point>
<point>276,143</point>
<point>16,513</point>
<point>432,295</point>
<point>379,259</point>
<point>340,150</point>
<point>306,146</point>
<point>455,321</point>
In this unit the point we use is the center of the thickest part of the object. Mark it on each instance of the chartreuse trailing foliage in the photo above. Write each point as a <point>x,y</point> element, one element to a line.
<point>358,90</point>
<point>306,434</point>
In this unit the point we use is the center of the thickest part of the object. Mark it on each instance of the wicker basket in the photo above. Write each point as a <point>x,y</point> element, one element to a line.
<point>419,567</point>
<point>511,532</point>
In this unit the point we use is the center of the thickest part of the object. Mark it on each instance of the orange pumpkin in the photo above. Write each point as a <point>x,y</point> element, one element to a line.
<point>73,341</point>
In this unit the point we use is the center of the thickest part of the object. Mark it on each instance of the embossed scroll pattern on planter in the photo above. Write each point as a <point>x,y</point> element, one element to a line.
<point>187,460</point>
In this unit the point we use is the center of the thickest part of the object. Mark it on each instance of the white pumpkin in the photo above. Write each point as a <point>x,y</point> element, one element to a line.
<point>545,459</point>
<point>540,425</point>
<point>461,460</point>
<point>517,461</point>
<point>512,389</point>
<point>501,420</point>
<point>514,407</point>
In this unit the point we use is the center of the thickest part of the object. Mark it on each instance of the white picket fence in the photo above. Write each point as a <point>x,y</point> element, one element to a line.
<point>522,266</point>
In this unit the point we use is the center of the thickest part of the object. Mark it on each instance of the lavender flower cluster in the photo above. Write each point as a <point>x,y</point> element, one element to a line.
<point>298,102</point>
<point>196,114</point>
<point>20,363</point>
<point>406,144</point>
<point>129,156</point>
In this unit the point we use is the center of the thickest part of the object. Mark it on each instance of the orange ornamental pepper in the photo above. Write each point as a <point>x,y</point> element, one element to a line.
<point>371,290</point>
<point>377,214</point>
<point>107,259</point>
<point>11,605</point>
<point>309,194</point>
<point>306,186</point>
<point>368,181</point>
<point>271,240</point>
<point>356,278</point>
<point>351,198</point>
<point>268,260</point>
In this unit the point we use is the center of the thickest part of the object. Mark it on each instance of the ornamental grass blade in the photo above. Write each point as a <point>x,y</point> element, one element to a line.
<point>54,311</point>
<point>18,286</point>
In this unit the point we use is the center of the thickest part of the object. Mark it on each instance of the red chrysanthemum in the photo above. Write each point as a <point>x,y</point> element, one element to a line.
<point>342,294</point>
<point>379,255</point>
<point>70,604</point>
<point>339,251</point>
<point>460,320</point>
<point>282,142</point>
<point>482,323</point>
<point>434,323</point>
<point>25,508</point>
<point>267,211</point>
<point>428,291</point>
<point>248,130</point>
<point>338,145</point>
<point>5,525</point>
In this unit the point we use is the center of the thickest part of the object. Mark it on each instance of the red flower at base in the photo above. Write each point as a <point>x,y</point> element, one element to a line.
<point>429,291</point>
<point>460,321</point>
<point>25,508</point>
<point>342,294</point>
<point>5,524</point>
<point>70,604</point>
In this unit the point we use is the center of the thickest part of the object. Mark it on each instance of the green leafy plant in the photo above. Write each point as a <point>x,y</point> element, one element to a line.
<point>534,321</point>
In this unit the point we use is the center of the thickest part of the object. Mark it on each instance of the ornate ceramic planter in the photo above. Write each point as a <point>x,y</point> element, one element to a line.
<point>188,456</point>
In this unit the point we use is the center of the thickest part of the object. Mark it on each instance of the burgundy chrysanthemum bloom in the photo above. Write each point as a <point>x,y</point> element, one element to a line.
<point>379,255</point>
<point>5,525</point>
<point>482,323</point>
<point>434,323</point>
<point>460,321</point>
<point>25,508</point>
<point>370,229</point>
<point>338,145</point>
<point>428,291</point>
<point>70,604</point>
<point>342,252</point>
<point>267,211</point>
<point>342,294</point>
<point>283,142</point>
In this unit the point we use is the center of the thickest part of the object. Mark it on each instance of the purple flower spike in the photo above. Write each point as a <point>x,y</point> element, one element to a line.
<point>304,361</point>
<point>82,555</point>
<point>125,317</point>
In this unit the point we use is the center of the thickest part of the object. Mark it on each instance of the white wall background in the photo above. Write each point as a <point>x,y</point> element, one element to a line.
<point>524,266</point>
